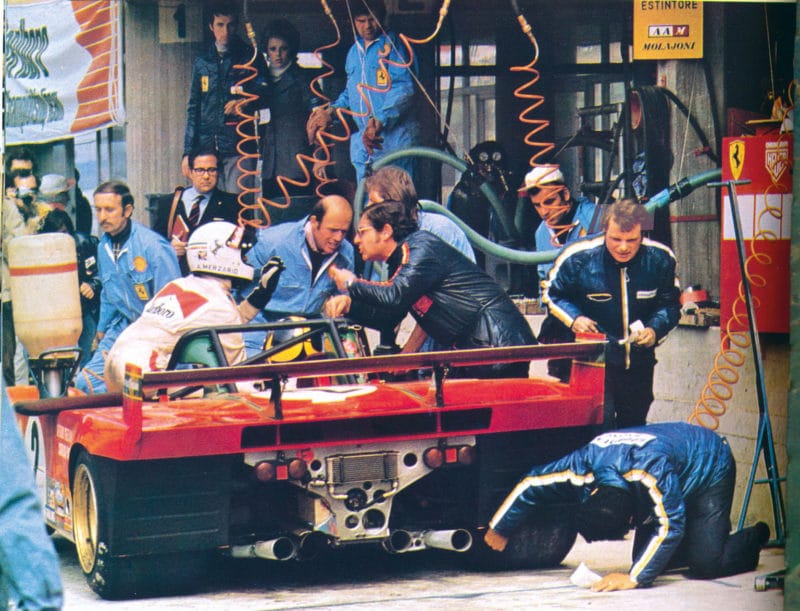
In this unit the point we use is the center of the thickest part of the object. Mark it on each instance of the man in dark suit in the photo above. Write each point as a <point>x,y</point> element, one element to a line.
<point>196,205</point>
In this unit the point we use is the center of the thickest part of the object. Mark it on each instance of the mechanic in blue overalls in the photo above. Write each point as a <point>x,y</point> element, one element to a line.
<point>134,263</point>
<point>308,248</point>
<point>673,482</point>
<point>387,122</point>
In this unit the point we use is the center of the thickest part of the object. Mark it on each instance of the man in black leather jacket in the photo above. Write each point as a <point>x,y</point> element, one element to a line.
<point>451,298</point>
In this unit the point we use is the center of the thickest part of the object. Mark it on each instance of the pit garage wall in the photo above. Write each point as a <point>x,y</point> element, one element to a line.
<point>685,360</point>
<point>792,581</point>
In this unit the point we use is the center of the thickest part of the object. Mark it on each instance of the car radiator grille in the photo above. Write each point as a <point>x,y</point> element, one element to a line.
<point>351,468</point>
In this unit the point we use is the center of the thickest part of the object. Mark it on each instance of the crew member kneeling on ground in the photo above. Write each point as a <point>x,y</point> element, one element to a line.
<point>453,300</point>
<point>673,482</point>
<point>203,298</point>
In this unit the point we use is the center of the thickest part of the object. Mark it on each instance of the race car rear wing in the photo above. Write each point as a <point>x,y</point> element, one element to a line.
<point>275,373</point>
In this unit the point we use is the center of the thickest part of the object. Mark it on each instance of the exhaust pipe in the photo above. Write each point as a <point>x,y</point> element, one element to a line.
<point>458,540</point>
<point>282,548</point>
<point>309,544</point>
<point>398,542</point>
<point>401,541</point>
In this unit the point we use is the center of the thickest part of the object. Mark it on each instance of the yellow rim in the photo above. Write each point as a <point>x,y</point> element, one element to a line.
<point>84,517</point>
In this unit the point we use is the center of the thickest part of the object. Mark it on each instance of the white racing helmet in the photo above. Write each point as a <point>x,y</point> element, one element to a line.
<point>215,248</point>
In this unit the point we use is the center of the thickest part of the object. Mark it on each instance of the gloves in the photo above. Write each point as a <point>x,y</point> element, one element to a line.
<point>270,274</point>
<point>371,136</point>
<point>320,118</point>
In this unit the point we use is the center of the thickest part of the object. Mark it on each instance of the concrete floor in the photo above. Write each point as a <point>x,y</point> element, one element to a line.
<point>365,579</point>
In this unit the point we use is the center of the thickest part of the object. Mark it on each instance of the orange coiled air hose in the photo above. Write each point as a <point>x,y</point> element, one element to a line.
<point>527,117</point>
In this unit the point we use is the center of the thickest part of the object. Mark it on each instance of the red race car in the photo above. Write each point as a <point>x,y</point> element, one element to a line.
<point>310,444</point>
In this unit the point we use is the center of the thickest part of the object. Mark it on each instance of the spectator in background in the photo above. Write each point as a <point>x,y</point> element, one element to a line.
<point>25,195</point>
<point>211,117</point>
<point>54,191</point>
<point>13,226</point>
<point>624,286</point>
<point>89,285</point>
<point>18,158</point>
<point>289,102</point>
<point>197,205</point>
<point>20,203</point>
<point>83,208</point>
<point>134,263</point>
<point>29,566</point>
<point>387,122</point>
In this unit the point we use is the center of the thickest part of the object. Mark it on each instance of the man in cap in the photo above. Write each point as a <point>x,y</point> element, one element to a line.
<point>54,191</point>
<point>564,218</point>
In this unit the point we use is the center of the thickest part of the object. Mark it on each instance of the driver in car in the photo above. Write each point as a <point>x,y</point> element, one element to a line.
<point>200,299</point>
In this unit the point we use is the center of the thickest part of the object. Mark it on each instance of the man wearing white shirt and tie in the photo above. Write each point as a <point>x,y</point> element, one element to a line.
<point>196,205</point>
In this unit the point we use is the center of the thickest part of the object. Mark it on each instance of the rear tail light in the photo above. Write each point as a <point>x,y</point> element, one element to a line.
<point>268,471</point>
<point>439,456</point>
<point>433,458</point>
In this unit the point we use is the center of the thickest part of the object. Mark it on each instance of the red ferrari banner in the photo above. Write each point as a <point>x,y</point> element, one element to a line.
<point>63,63</point>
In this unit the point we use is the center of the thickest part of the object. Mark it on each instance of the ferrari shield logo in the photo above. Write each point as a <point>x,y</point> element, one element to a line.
<point>776,159</point>
<point>736,158</point>
<point>382,77</point>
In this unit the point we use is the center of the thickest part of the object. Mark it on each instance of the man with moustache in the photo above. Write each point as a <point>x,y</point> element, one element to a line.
<point>134,263</point>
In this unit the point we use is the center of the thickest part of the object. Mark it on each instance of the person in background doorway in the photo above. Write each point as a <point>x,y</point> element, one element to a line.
<point>196,205</point>
<point>289,102</point>
<point>216,89</point>
<point>54,191</point>
<point>13,226</point>
<point>376,64</point>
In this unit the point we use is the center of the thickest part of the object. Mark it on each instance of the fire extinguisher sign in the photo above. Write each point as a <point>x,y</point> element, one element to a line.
<point>667,29</point>
<point>764,205</point>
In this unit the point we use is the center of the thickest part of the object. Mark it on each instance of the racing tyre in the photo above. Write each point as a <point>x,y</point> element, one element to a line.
<point>543,541</point>
<point>118,577</point>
